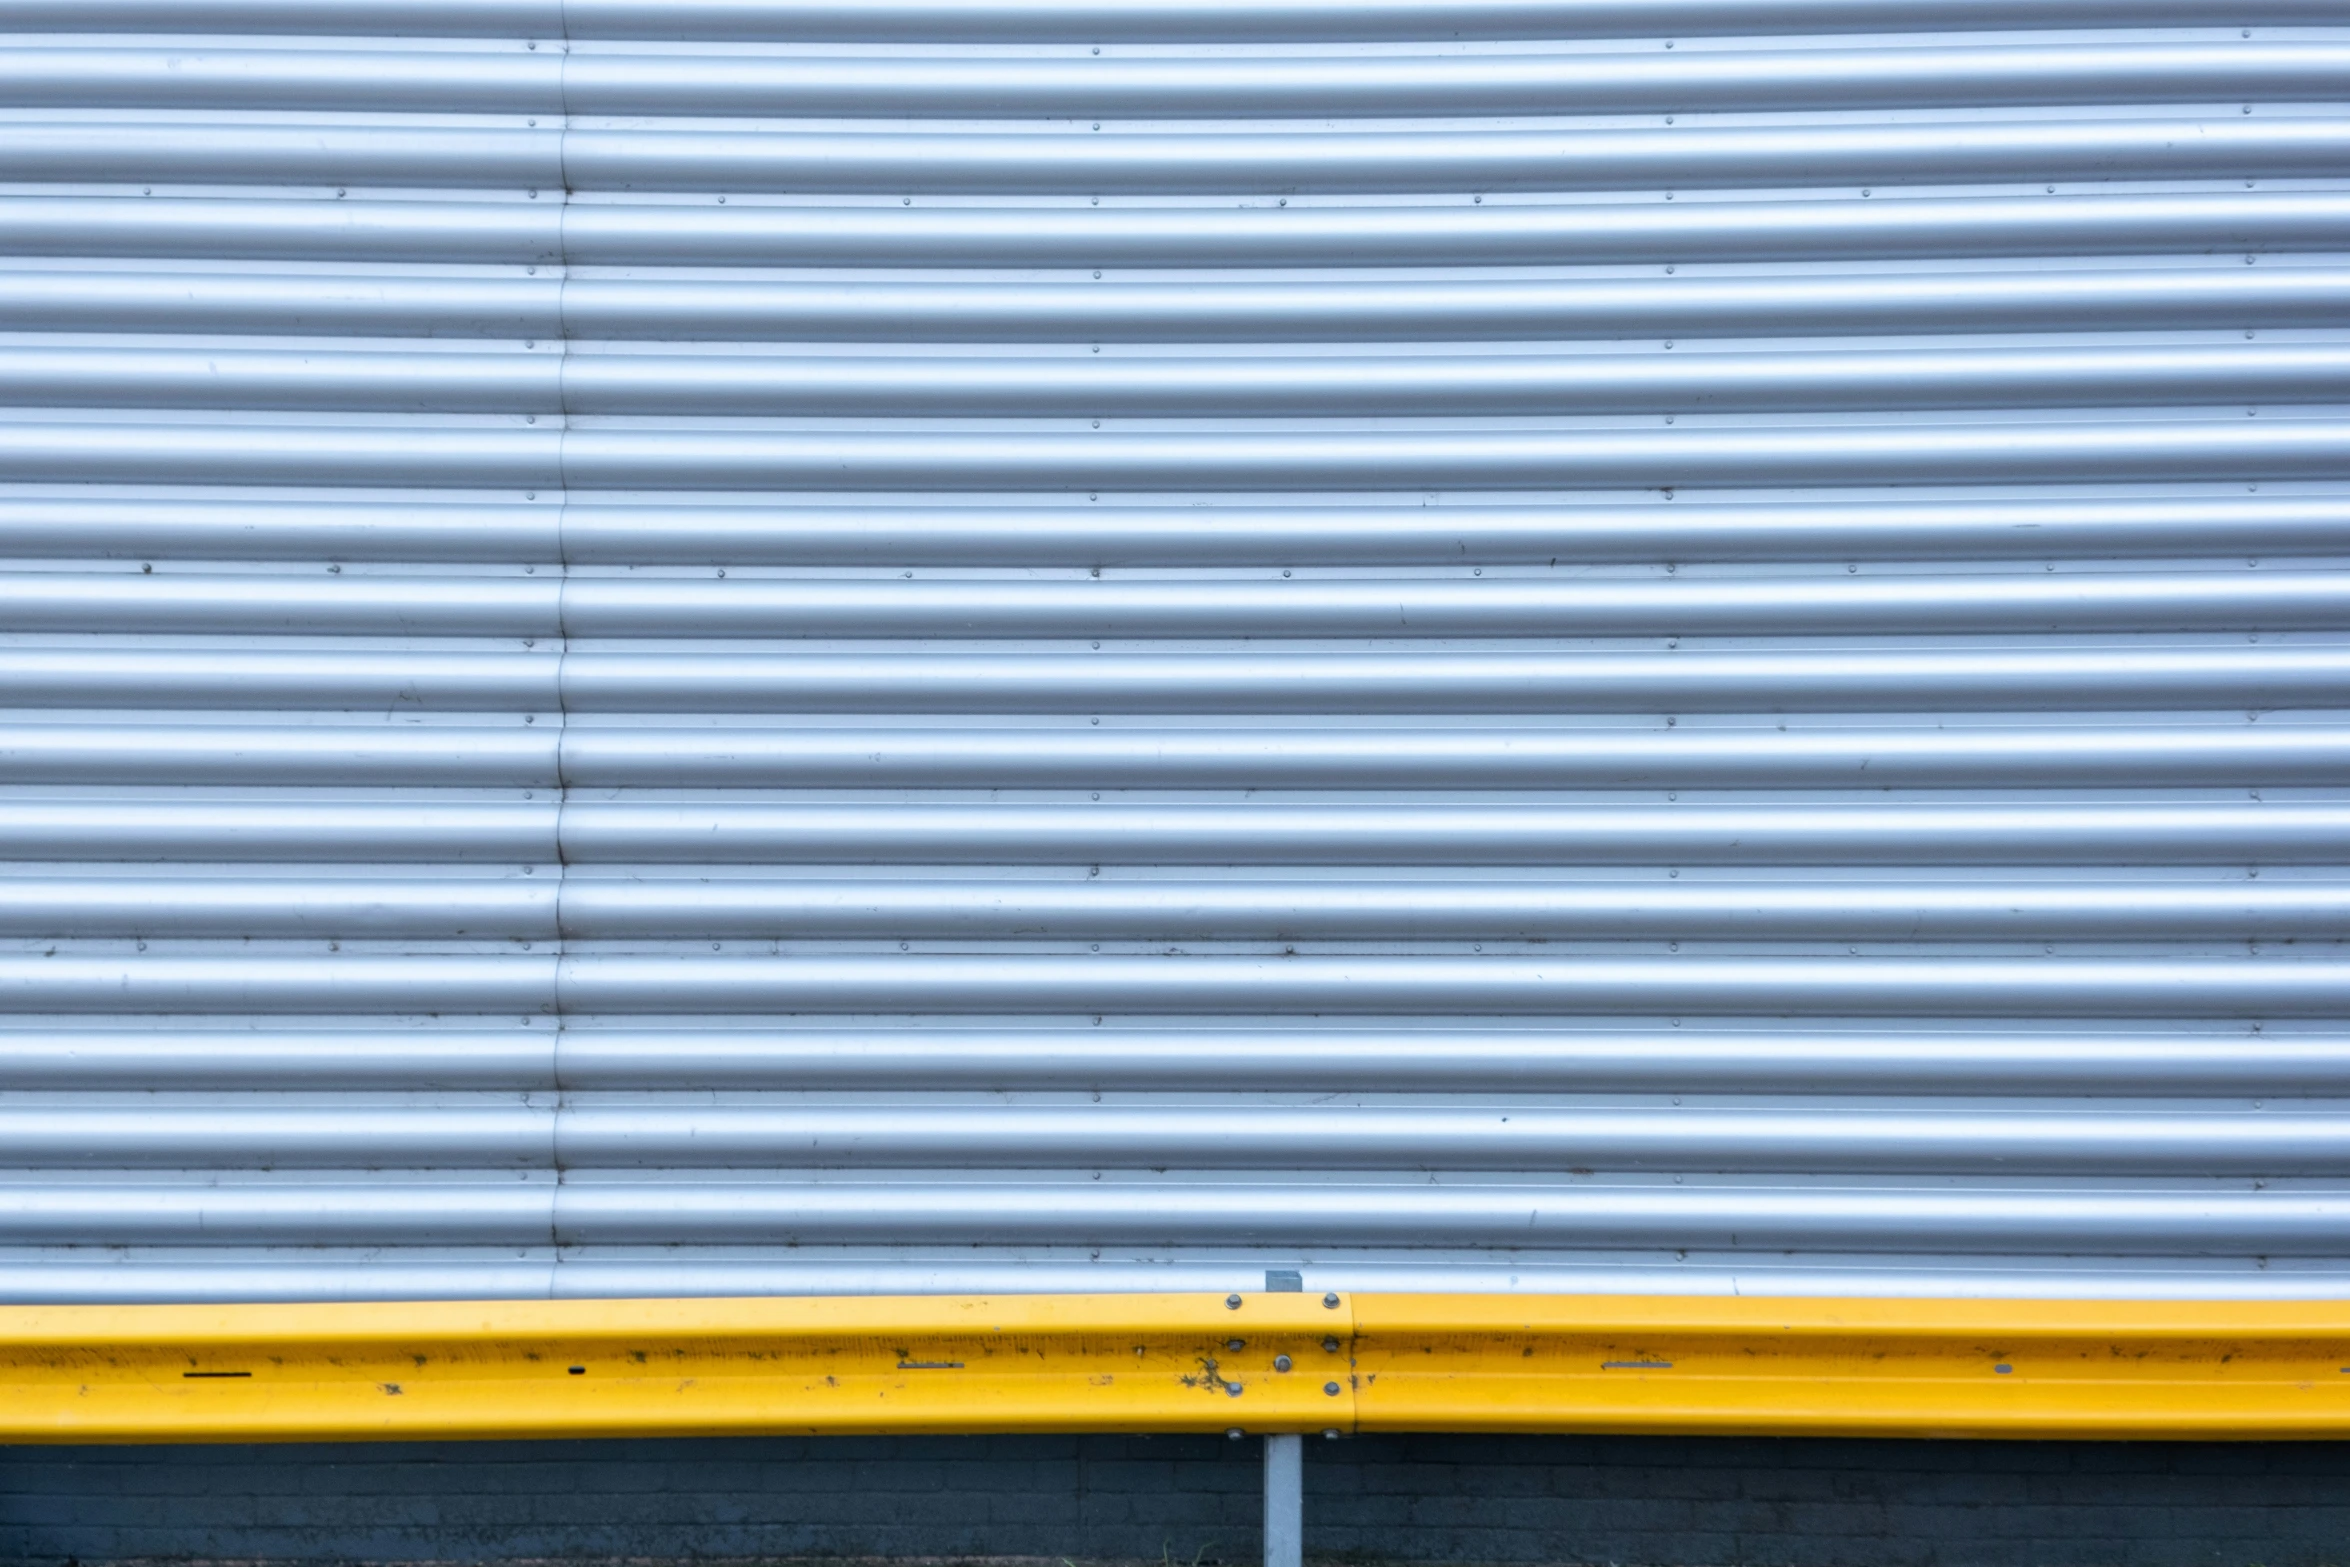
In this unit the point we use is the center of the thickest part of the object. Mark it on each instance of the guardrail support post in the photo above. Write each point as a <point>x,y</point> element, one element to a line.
<point>1284,1501</point>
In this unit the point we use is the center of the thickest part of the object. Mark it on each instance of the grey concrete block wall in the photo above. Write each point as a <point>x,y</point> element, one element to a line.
<point>1639,1502</point>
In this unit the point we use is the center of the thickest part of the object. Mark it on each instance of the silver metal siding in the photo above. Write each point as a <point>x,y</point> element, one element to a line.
<point>1546,644</point>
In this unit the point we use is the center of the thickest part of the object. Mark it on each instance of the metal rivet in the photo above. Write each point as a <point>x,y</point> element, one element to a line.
<point>1236,1343</point>
<point>1330,1301</point>
<point>1232,1389</point>
<point>1331,1388</point>
<point>1232,1302</point>
<point>1280,1362</point>
<point>1236,1433</point>
<point>1330,1346</point>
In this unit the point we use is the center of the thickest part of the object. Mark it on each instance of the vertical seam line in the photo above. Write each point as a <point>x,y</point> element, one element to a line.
<point>562,478</point>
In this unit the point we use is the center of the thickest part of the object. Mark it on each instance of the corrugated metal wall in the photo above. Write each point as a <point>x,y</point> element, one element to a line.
<point>662,648</point>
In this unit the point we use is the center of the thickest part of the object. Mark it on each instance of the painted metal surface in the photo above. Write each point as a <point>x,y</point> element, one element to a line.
<point>1537,646</point>
<point>1268,1363</point>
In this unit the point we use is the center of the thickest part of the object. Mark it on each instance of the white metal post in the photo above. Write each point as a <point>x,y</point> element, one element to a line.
<point>1285,1535</point>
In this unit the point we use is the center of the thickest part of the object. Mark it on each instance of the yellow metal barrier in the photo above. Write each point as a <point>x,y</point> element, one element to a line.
<point>1257,1363</point>
<point>1853,1367</point>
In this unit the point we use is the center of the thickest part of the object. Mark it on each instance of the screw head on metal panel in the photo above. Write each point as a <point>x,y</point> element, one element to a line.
<point>1330,1301</point>
<point>1232,1302</point>
<point>1236,1433</point>
<point>1236,1343</point>
<point>1280,1362</point>
<point>1330,1388</point>
<point>1330,1435</point>
<point>1330,1346</point>
<point>1232,1389</point>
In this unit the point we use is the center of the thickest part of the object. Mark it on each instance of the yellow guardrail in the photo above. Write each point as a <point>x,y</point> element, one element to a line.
<point>1172,1363</point>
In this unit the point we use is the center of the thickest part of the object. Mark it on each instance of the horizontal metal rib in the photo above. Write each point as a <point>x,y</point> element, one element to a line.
<point>1394,833</point>
<point>2107,299</point>
<point>1206,756</point>
<point>2049,987</point>
<point>1486,985</point>
<point>1531,1214</point>
<point>375,1210</point>
<point>1338,236</point>
<point>2247,599</point>
<point>381,606</point>
<point>379,305</point>
<point>1512,1213</point>
<point>1532,81</point>
<point>2280,146</point>
<point>378,683</point>
<point>1405,910</point>
<point>1797,1060</point>
<point>1349,384</point>
<point>510,1058</point>
<point>1335,309</point>
<point>2129,678</point>
<point>246,830</point>
<point>211,1132</point>
<point>1145,21</point>
<point>1909,1059</point>
<point>1386,910</point>
<point>224,908</point>
<point>283,754</point>
<point>1397,833</point>
<point>1962,151</point>
<point>178,525</point>
<point>211,152</point>
<point>231,1134</point>
<point>1183,756</point>
<point>444,456</point>
<point>2265,676</point>
<point>188,526</point>
<point>1526,81</point>
<point>1366,1137</point>
<point>282,229</point>
<point>1222,386</point>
